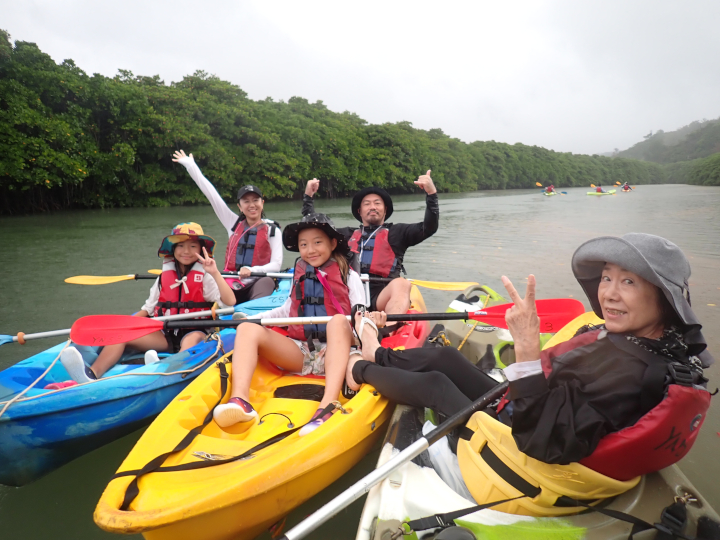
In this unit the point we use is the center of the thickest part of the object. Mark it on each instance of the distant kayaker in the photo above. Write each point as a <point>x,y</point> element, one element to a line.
<point>381,246</point>
<point>323,285</point>
<point>565,400</point>
<point>254,244</point>
<point>190,281</point>
<point>626,187</point>
<point>599,189</point>
<point>550,189</point>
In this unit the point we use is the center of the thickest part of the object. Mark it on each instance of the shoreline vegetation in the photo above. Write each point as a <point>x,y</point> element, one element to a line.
<point>70,140</point>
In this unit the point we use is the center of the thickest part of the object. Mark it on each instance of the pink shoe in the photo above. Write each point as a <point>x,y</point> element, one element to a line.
<point>315,423</point>
<point>60,385</point>
<point>234,411</point>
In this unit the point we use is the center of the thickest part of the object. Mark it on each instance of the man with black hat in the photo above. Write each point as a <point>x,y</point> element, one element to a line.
<point>381,246</point>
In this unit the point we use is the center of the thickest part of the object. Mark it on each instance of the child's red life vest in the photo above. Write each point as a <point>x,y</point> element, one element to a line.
<point>181,294</point>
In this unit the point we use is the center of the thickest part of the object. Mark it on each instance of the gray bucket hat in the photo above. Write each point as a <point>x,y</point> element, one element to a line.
<point>651,257</point>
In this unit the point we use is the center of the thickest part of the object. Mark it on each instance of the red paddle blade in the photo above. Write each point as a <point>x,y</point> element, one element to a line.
<point>554,313</point>
<point>100,330</point>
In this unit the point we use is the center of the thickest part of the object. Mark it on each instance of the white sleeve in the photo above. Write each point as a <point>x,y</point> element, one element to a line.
<point>276,257</point>
<point>520,370</point>
<point>279,312</point>
<point>226,216</point>
<point>356,289</point>
<point>211,292</point>
<point>151,302</point>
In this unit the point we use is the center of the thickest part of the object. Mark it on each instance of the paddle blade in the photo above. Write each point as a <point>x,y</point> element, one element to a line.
<point>592,185</point>
<point>443,285</point>
<point>5,339</point>
<point>156,272</point>
<point>538,184</point>
<point>554,313</point>
<point>100,330</point>
<point>98,280</point>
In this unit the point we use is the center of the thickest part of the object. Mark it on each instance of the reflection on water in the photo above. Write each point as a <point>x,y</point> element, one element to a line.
<point>482,236</point>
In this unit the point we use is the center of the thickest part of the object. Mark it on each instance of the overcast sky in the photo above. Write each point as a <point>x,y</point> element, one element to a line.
<point>570,75</point>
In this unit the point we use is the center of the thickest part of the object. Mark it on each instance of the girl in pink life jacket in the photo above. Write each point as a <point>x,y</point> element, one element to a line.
<point>190,281</point>
<point>323,284</point>
<point>254,243</point>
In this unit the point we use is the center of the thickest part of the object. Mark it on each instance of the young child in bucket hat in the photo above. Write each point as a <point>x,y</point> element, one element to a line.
<point>323,285</point>
<point>190,282</point>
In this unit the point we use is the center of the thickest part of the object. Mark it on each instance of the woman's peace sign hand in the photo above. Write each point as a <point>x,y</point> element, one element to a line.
<point>208,262</point>
<point>523,321</point>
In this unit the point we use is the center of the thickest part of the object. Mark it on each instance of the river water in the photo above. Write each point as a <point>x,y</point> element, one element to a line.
<point>482,236</point>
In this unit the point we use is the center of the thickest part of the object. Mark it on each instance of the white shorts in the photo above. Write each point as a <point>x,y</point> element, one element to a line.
<point>314,361</point>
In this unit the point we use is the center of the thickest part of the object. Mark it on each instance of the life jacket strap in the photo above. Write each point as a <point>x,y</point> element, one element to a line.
<point>184,305</point>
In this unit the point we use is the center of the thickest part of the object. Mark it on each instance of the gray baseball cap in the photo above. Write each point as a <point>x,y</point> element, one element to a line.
<point>651,257</point>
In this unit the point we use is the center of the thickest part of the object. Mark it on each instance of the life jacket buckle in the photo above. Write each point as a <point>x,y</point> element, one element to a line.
<point>681,374</point>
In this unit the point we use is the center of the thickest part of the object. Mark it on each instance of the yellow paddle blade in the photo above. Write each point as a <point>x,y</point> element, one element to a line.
<point>156,272</point>
<point>592,185</point>
<point>98,280</point>
<point>443,285</point>
<point>538,184</point>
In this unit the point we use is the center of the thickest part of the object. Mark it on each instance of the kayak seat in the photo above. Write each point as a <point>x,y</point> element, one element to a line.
<point>308,392</point>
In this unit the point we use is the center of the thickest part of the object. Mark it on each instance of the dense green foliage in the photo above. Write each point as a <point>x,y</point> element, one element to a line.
<point>72,140</point>
<point>690,154</point>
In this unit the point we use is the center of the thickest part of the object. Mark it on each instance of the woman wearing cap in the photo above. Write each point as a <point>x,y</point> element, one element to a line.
<point>323,285</point>
<point>565,400</point>
<point>254,245</point>
<point>190,281</point>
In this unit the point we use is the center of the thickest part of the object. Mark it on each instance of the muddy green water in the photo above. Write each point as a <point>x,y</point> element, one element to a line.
<point>482,236</point>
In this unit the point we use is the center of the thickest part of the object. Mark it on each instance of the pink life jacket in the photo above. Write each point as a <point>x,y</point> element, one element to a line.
<point>309,298</point>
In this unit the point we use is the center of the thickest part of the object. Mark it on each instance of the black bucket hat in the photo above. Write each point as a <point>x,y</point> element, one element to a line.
<point>364,192</point>
<point>312,221</point>
<point>651,257</point>
<point>249,189</point>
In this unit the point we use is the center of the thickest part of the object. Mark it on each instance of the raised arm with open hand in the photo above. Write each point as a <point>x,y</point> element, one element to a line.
<point>523,321</point>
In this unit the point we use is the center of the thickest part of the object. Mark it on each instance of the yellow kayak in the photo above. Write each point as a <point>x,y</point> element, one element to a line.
<point>240,499</point>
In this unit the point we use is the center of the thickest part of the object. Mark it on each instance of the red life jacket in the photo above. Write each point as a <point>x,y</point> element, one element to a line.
<point>181,294</point>
<point>249,246</point>
<point>308,298</point>
<point>377,257</point>
<point>661,437</point>
<point>599,190</point>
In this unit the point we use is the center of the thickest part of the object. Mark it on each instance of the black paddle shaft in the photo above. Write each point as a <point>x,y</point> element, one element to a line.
<point>174,325</point>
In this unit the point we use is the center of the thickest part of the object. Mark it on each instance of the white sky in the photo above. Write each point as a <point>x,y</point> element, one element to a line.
<point>570,75</point>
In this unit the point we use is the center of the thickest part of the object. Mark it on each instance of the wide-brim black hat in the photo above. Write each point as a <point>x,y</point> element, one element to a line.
<point>651,257</point>
<point>312,221</point>
<point>360,195</point>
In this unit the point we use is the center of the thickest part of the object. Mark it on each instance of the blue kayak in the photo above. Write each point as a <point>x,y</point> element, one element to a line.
<point>45,429</point>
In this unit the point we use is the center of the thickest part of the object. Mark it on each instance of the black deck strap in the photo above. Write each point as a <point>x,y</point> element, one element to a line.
<point>155,465</point>
<point>133,489</point>
<point>665,529</point>
<point>507,474</point>
<point>674,517</point>
<point>445,520</point>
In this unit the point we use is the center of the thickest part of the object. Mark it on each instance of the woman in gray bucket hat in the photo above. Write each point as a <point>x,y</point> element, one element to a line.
<point>624,399</point>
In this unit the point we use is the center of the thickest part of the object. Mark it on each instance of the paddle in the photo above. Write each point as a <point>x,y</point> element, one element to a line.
<point>22,337</point>
<point>111,329</point>
<point>361,487</point>
<point>104,280</point>
<point>538,184</point>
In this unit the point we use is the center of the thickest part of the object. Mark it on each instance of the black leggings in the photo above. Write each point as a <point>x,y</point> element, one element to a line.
<point>439,378</point>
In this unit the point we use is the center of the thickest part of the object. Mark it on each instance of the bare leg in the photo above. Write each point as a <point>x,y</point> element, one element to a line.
<point>339,338</point>
<point>395,298</point>
<point>253,341</point>
<point>110,354</point>
<point>370,344</point>
<point>191,339</point>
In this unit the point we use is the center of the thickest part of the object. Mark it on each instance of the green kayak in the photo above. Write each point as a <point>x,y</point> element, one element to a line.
<point>611,192</point>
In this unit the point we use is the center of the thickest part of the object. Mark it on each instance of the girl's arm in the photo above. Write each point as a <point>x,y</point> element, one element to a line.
<point>226,216</point>
<point>222,294</point>
<point>151,302</point>
<point>356,289</point>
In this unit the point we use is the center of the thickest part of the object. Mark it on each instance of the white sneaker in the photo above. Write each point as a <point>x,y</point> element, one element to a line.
<point>151,357</point>
<point>74,364</point>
